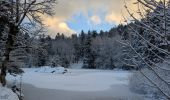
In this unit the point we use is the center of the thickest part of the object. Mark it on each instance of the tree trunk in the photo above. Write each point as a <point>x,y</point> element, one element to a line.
<point>8,48</point>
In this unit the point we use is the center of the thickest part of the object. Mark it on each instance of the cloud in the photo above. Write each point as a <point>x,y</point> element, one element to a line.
<point>56,25</point>
<point>113,18</point>
<point>65,27</point>
<point>95,19</point>
<point>66,9</point>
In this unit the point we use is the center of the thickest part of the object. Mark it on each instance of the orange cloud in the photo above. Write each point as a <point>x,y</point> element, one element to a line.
<point>56,25</point>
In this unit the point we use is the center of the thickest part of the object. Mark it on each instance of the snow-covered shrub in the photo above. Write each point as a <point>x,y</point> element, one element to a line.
<point>140,84</point>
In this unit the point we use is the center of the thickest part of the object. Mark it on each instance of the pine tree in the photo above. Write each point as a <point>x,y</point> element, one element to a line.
<point>42,53</point>
<point>81,44</point>
<point>77,52</point>
<point>94,34</point>
<point>89,56</point>
<point>101,33</point>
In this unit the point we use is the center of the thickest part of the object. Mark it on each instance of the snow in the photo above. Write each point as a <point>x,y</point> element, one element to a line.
<point>75,79</point>
<point>78,65</point>
<point>7,94</point>
<point>47,69</point>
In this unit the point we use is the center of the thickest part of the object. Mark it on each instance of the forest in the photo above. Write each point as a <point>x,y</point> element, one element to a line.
<point>96,50</point>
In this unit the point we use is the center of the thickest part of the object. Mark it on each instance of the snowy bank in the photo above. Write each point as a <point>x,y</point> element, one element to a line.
<point>7,94</point>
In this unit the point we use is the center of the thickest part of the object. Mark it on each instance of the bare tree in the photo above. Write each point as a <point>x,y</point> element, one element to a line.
<point>151,43</point>
<point>20,17</point>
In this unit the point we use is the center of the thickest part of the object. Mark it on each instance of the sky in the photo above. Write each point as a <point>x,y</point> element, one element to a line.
<point>72,16</point>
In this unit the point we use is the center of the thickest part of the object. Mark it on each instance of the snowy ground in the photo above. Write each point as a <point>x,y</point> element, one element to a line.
<point>7,94</point>
<point>101,83</point>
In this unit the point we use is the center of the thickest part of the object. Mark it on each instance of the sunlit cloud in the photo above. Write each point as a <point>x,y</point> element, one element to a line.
<point>113,18</point>
<point>95,19</point>
<point>56,25</point>
<point>96,11</point>
<point>65,27</point>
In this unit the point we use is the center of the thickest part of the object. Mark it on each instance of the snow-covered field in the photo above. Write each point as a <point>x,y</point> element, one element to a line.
<point>76,84</point>
<point>74,79</point>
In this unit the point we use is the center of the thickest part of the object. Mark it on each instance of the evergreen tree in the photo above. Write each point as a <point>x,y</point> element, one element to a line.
<point>77,52</point>
<point>94,34</point>
<point>48,42</point>
<point>42,52</point>
<point>101,33</point>
<point>81,44</point>
<point>57,36</point>
<point>89,56</point>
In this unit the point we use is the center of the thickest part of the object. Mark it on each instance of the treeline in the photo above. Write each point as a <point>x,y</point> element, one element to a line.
<point>96,50</point>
